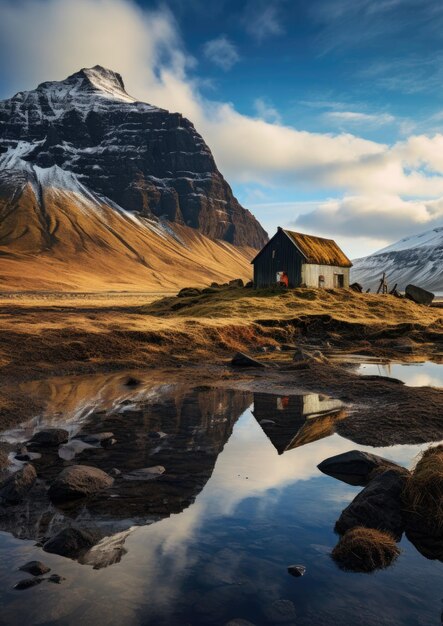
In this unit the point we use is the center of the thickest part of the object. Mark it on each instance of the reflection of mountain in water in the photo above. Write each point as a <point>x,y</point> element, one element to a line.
<point>293,421</point>
<point>196,425</point>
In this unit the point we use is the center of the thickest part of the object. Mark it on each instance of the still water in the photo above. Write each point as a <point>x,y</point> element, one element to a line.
<point>413,374</point>
<point>211,539</point>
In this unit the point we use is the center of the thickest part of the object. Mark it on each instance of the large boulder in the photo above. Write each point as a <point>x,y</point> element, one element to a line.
<point>17,486</point>
<point>354,467</point>
<point>419,295</point>
<point>79,481</point>
<point>71,542</point>
<point>50,437</point>
<point>378,506</point>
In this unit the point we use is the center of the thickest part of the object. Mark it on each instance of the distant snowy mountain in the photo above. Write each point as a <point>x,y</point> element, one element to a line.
<point>417,259</point>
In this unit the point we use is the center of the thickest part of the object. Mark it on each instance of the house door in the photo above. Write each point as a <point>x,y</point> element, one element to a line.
<point>339,280</point>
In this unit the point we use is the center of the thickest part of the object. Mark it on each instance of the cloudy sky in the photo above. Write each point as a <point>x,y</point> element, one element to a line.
<point>323,115</point>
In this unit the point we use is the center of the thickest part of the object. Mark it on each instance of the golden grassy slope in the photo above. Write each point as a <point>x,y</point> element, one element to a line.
<point>67,241</point>
<point>39,336</point>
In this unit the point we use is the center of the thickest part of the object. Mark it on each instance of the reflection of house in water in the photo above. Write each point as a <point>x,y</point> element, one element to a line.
<point>293,421</point>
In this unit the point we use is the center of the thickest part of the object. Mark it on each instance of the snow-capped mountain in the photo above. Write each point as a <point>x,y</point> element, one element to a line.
<point>100,191</point>
<point>417,259</point>
<point>144,159</point>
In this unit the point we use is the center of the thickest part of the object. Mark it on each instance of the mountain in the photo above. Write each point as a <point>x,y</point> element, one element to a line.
<point>417,259</point>
<point>98,189</point>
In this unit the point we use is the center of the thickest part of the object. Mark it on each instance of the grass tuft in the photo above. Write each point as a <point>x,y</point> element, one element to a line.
<point>423,494</point>
<point>365,550</point>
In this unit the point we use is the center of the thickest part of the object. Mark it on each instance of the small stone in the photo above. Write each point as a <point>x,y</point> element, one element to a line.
<point>146,473</point>
<point>55,578</point>
<point>297,570</point>
<point>243,360</point>
<point>115,472</point>
<point>157,434</point>
<point>36,568</point>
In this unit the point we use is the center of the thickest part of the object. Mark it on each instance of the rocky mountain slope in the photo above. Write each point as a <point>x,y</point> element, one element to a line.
<point>94,183</point>
<point>417,259</point>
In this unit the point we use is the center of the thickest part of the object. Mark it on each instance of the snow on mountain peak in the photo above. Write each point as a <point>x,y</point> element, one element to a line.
<point>97,80</point>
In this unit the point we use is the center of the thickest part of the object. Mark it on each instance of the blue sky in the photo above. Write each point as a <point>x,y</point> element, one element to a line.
<point>324,115</point>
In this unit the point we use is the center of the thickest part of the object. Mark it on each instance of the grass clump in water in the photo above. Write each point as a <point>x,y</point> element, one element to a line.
<point>423,494</point>
<point>365,550</point>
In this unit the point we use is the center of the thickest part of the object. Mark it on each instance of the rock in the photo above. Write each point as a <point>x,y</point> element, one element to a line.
<point>419,295</point>
<point>236,282</point>
<point>354,467</point>
<point>55,578</point>
<point>356,287</point>
<point>146,473</point>
<point>132,382</point>
<point>26,583</point>
<point>210,290</point>
<point>215,286</point>
<point>249,284</point>
<point>297,570</point>
<point>71,542</point>
<point>269,422</point>
<point>157,434</point>
<point>50,437</point>
<point>243,360</point>
<point>79,481</point>
<point>115,472</point>
<point>378,506</point>
<point>188,292</point>
<point>36,568</point>
<point>17,486</point>
<point>29,456</point>
<point>95,438</point>
<point>107,443</point>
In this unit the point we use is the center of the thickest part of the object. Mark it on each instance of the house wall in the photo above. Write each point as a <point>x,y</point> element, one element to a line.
<point>310,274</point>
<point>279,255</point>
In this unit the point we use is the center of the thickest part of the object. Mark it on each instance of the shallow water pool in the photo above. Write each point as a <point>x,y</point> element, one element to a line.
<point>210,541</point>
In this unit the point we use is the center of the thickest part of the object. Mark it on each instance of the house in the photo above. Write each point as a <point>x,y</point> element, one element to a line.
<point>294,259</point>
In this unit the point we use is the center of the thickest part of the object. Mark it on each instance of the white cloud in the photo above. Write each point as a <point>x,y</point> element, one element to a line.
<point>356,118</point>
<point>386,189</point>
<point>266,111</point>
<point>263,22</point>
<point>222,52</point>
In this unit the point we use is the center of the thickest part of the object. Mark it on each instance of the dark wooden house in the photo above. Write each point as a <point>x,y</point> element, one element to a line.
<point>296,259</point>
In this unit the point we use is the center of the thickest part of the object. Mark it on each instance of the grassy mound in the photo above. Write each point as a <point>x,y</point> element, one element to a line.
<point>365,550</point>
<point>423,495</point>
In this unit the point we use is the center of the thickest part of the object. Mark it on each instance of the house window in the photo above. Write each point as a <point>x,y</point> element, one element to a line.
<point>321,281</point>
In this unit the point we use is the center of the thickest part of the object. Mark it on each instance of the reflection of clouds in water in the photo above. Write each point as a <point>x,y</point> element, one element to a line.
<point>248,453</point>
<point>415,375</point>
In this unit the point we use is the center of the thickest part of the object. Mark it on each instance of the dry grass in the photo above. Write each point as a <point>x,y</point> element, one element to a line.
<point>365,550</point>
<point>423,495</point>
<point>271,304</point>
